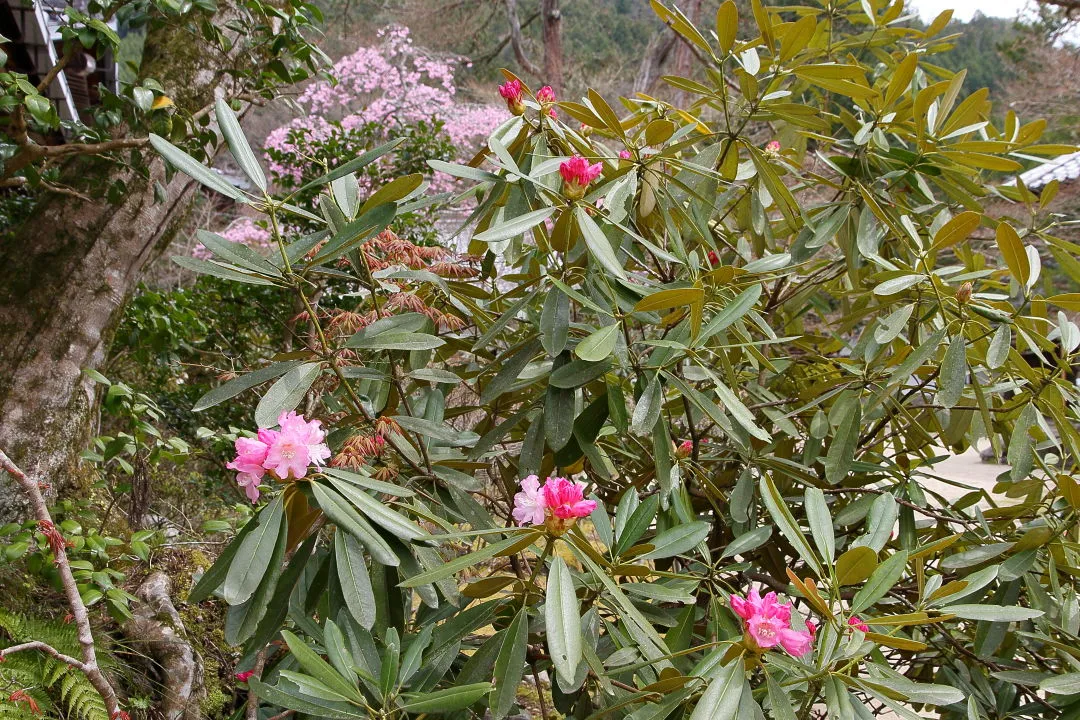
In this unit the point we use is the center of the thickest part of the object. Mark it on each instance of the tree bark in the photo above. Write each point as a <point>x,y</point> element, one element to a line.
<point>69,270</point>
<point>552,24</point>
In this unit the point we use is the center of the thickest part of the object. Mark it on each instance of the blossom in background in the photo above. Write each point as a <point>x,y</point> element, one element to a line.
<point>858,624</point>
<point>513,95</point>
<point>559,503</point>
<point>624,155</point>
<point>773,147</point>
<point>286,453</point>
<point>767,623</point>
<point>684,449</point>
<point>577,173</point>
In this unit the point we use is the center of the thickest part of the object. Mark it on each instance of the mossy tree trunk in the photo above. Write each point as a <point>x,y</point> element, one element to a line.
<point>68,271</point>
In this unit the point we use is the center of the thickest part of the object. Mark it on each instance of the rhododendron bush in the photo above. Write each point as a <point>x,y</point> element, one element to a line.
<point>667,438</point>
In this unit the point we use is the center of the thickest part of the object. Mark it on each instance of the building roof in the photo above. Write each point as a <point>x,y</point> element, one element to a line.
<point>1062,169</point>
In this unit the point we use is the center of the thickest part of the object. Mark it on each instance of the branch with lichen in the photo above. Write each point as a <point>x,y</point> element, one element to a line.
<point>89,663</point>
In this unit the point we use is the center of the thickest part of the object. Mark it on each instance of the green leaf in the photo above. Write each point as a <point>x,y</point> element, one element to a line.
<point>723,696</point>
<point>562,620</point>
<point>219,270</point>
<point>315,707</point>
<point>843,444</point>
<point>598,244</point>
<point>880,582</point>
<point>748,541</point>
<point>238,144</point>
<point>347,519</point>
<point>998,351</point>
<point>1012,249</point>
<point>320,669</point>
<point>677,540</point>
<point>286,393</point>
<point>1067,684</point>
<point>396,341</point>
<point>253,556</point>
<point>667,299</point>
<point>897,285</point>
<point>821,524</point>
<point>648,407</point>
<point>994,613</point>
<point>355,582</point>
<point>211,580</point>
<point>461,562</point>
<point>353,165</point>
<point>555,322</point>
<point>577,373</point>
<point>732,312</point>
<point>784,520</point>
<point>194,169</point>
<point>398,525</point>
<point>855,565</point>
<point>515,227</point>
<point>599,344</point>
<point>509,666</point>
<point>953,375</point>
<point>510,371</point>
<point>444,701</point>
<point>237,254</point>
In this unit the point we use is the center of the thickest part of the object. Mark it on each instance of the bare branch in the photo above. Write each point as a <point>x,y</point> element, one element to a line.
<point>89,664</point>
<point>516,41</point>
<point>45,648</point>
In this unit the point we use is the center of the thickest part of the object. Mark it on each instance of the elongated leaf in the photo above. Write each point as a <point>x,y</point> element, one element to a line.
<point>320,669</point>
<point>953,375</point>
<point>398,525</point>
<point>821,523</point>
<point>598,345</point>
<point>461,562</point>
<point>315,707</point>
<point>355,582</point>
<point>562,619</point>
<point>396,341</point>
<point>347,519</point>
<point>253,556</point>
<point>998,351</point>
<point>994,613</point>
<point>515,227</point>
<point>509,666</point>
<point>225,272</point>
<point>211,579</point>
<point>598,244</point>
<point>786,522</point>
<point>750,540</point>
<point>732,312</point>
<point>194,169</point>
<point>353,165</point>
<point>444,701</point>
<point>1012,249</point>
<point>238,144</point>
<point>286,393</point>
<point>724,694</point>
<point>677,540</point>
<point>880,582</point>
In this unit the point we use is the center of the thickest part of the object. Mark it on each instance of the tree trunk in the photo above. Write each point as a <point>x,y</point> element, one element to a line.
<point>68,272</point>
<point>552,24</point>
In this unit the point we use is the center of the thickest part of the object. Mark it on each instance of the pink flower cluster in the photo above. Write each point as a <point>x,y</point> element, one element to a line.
<point>285,453</point>
<point>558,503</point>
<point>512,92</point>
<point>858,624</point>
<point>577,173</point>
<point>767,623</point>
<point>393,83</point>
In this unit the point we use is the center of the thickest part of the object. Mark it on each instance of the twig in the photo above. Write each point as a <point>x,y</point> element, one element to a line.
<point>89,664</point>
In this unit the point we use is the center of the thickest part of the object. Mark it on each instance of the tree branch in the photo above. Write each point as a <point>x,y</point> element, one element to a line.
<point>516,42</point>
<point>89,664</point>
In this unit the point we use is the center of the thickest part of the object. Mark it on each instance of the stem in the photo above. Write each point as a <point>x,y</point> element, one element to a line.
<point>89,664</point>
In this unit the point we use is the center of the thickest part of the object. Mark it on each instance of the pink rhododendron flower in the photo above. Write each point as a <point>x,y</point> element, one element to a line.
<point>566,499</point>
<point>767,623</point>
<point>529,504</point>
<point>858,624</point>
<point>624,154</point>
<point>245,676</point>
<point>285,453</point>
<point>714,259</point>
<point>577,173</point>
<point>685,448</point>
<point>546,96</point>
<point>558,504</point>
<point>297,445</point>
<point>512,93</point>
